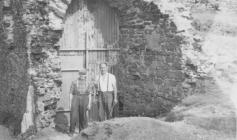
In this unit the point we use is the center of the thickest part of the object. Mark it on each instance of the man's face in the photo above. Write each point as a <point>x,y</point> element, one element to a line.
<point>103,68</point>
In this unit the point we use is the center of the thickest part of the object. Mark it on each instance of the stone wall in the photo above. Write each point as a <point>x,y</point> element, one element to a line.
<point>14,79</point>
<point>29,57</point>
<point>45,64</point>
<point>149,71</point>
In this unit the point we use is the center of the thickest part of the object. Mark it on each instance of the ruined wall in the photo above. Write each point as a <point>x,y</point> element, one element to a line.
<point>28,57</point>
<point>14,80</point>
<point>45,64</point>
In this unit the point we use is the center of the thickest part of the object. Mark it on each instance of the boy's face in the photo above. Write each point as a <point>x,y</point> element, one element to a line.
<point>82,76</point>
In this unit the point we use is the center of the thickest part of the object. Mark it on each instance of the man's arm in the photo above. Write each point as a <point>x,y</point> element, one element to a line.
<point>115,90</point>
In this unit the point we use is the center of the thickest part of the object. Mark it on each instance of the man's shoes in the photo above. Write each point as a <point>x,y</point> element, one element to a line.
<point>71,134</point>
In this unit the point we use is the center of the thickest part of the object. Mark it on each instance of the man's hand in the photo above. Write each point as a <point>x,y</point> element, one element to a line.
<point>115,101</point>
<point>89,107</point>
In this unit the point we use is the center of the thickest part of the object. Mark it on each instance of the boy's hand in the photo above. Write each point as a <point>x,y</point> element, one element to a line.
<point>89,107</point>
<point>70,104</point>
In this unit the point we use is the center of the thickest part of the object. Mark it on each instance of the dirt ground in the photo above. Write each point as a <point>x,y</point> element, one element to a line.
<point>4,134</point>
<point>141,128</point>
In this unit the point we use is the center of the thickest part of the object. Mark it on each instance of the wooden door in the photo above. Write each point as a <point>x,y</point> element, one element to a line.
<point>91,34</point>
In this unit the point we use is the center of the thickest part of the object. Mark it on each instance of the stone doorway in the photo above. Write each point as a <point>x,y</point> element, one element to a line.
<point>90,37</point>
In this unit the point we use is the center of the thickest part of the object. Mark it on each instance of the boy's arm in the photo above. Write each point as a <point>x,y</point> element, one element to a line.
<point>91,91</point>
<point>96,84</point>
<point>71,94</point>
<point>89,103</point>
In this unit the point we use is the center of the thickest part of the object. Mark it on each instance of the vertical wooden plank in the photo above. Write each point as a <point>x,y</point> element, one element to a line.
<point>94,64</point>
<point>117,23</point>
<point>99,24</point>
<point>110,25</point>
<point>97,45</point>
<point>114,29</point>
<point>107,23</point>
<point>101,8</point>
<point>66,32</point>
<point>68,45</point>
<point>69,31</point>
<point>74,21</point>
<point>106,20</point>
<point>72,33</point>
<point>86,51</point>
<point>78,29</point>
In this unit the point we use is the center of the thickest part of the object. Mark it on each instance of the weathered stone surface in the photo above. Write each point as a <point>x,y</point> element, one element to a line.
<point>27,119</point>
<point>14,80</point>
<point>151,56</point>
<point>42,19</point>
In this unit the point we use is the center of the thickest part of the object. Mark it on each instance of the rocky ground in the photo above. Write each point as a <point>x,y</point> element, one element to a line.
<point>139,128</point>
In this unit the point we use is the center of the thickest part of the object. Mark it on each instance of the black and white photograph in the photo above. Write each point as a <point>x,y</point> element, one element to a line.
<point>118,69</point>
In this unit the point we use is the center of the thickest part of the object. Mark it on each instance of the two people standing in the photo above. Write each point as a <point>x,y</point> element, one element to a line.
<point>103,88</point>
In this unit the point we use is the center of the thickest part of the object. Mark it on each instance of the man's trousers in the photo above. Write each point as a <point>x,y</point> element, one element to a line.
<point>106,105</point>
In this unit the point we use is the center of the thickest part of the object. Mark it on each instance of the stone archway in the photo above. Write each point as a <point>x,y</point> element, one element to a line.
<point>149,67</point>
